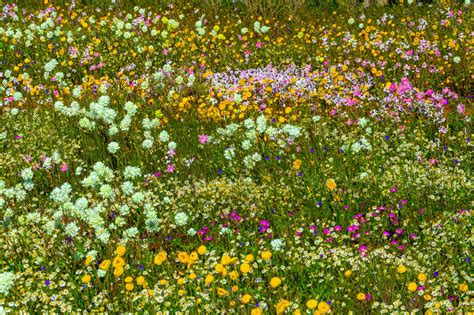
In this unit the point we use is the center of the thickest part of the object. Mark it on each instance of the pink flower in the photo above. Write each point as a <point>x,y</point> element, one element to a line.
<point>203,138</point>
<point>259,45</point>
<point>461,109</point>
<point>63,167</point>
<point>170,168</point>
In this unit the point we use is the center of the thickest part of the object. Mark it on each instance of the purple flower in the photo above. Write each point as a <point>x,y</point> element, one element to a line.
<point>47,283</point>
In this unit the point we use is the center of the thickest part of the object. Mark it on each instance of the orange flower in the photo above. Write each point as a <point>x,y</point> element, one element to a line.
<point>331,184</point>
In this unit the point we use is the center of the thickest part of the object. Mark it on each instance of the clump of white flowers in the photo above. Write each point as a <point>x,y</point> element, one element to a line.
<point>113,147</point>
<point>7,280</point>
<point>181,218</point>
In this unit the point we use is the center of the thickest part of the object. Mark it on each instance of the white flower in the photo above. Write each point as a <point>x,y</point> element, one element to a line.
<point>71,229</point>
<point>27,173</point>
<point>7,279</point>
<point>172,145</point>
<point>147,144</point>
<point>457,59</point>
<point>350,21</point>
<point>276,244</point>
<point>164,136</point>
<point>113,147</point>
<point>316,118</point>
<point>181,218</point>
<point>363,121</point>
<point>107,192</point>
<point>17,96</point>
<point>127,188</point>
<point>237,98</point>
<point>246,144</point>
<point>130,108</point>
<point>132,172</point>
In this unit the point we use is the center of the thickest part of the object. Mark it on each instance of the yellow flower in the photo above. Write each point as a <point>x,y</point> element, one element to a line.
<point>297,164</point>
<point>202,250</point>
<point>244,268</point>
<point>422,277</point>
<point>227,260</point>
<point>427,297</point>
<point>412,287</point>
<point>348,273</point>
<point>311,304</point>
<point>275,282</point>
<point>129,286</point>
<point>256,311</point>
<point>282,306</point>
<point>463,287</point>
<point>222,292</point>
<point>194,256</point>
<point>323,307</point>
<point>249,258</point>
<point>88,260</point>
<point>121,250</point>
<point>234,275</point>
<point>163,282</point>
<point>209,279</point>
<point>183,257</point>
<point>235,288</point>
<point>86,279</point>
<point>140,280</point>
<point>128,279</point>
<point>160,258</point>
<point>266,255</point>
<point>401,269</point>
<point>220,268</point>
<point>331,184</point>
<point>118,271</point>
<point>105,264</point>
<point>361,296</point>
<point>118,262</point>
<point>192,276</point>
<point>246,298</point>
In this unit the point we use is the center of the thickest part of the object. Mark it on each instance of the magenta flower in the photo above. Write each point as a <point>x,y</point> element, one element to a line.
<point>170,168</point>
<point>203,138</point>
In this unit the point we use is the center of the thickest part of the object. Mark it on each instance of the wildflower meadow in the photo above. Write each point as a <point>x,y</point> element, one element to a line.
<point>236,157</point>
